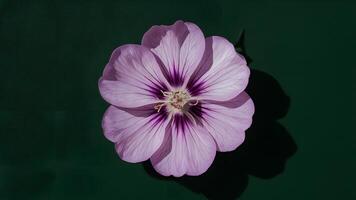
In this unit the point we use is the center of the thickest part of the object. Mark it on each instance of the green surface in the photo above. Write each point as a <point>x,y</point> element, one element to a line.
<point>53,52</point>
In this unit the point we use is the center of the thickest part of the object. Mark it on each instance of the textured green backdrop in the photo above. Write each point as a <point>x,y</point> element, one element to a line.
<point>53,52</point>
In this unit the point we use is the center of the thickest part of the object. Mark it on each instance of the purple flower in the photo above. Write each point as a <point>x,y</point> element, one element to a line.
<point>176,99</point>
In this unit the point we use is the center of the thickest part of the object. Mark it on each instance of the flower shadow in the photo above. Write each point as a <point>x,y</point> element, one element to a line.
<point>264,153</point>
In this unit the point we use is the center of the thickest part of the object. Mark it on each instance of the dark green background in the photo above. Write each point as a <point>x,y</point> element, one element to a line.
<point>53,52</point>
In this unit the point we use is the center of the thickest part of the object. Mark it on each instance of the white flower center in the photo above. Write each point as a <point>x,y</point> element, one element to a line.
<point>176,101</point>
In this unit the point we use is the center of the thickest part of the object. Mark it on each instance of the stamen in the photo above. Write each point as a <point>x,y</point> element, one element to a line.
<point>166,94</point>
<point>195,103</point>
<point>159,106</point>
<point>175,101</point>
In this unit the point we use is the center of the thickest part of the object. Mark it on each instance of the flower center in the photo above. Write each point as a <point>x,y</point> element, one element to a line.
<point>176,101</point>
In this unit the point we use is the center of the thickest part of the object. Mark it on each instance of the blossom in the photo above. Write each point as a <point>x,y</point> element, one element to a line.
<point>176,99</point>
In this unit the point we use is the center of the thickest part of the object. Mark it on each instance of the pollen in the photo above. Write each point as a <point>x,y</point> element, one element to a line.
<point>176,101</point>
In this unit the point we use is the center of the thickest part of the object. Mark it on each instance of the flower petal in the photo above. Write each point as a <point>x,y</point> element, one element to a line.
<point>132,78</point>
<point>180,47</point>
<point>222,74</point>
<point>227,121</point>
<point>187,149</point>
<point>137,133</point>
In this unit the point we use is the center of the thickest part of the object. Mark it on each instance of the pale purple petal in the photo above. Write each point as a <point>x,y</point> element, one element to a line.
<point>227,121</point>
<point>132,78</point>
<point>180,48</point>
<point>137,133</point>
<point>187,149</point>
<point>222,74</point>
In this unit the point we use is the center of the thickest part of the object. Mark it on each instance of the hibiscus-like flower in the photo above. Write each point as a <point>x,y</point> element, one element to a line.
<point>176,99</point>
